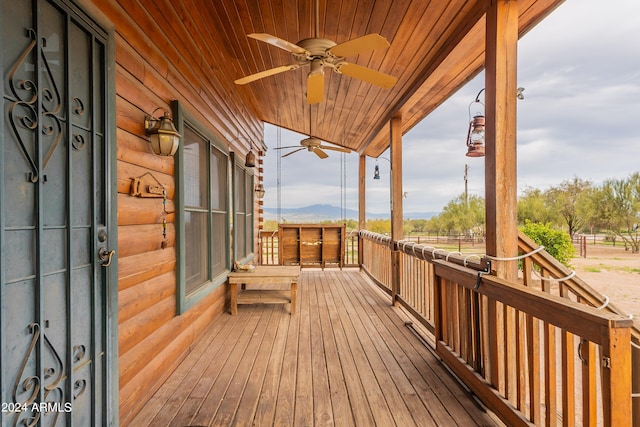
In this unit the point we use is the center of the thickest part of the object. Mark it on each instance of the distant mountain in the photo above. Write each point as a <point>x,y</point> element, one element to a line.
<point>320,212</point>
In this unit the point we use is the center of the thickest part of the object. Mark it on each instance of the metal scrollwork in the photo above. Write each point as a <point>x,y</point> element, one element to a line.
<point>23,112</point>
<point>29,385</point>
<point>79,107</point>
<point>79,388</point>
<point>78,353</point>
<point>27,388</point>
<point>78,142</point>
<point>80,360</point>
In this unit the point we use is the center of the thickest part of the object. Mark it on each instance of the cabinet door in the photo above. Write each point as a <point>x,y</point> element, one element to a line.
<point>310,246</point>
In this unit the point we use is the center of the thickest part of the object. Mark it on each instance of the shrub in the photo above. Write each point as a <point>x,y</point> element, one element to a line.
<point>556,242</point>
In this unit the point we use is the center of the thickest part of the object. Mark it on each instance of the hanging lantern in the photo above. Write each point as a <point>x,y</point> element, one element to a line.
<point>475,133</point>
<point>475,137</point>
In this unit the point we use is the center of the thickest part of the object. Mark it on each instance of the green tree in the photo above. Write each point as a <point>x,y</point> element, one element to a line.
<point>618,208</point>
<point>380,226</point>
<point>533,206</point>
<point>569,200</point>
<point>462,216</point>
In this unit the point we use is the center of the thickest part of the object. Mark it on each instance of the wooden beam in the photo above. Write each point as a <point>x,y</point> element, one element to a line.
<point>362,201</point>
<point>396,204</point>
<point>500,159</point>
<point>362,187</point>
<point>396,179</point>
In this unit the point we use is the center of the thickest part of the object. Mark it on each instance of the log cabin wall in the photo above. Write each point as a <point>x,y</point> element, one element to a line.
<point>162,54</point>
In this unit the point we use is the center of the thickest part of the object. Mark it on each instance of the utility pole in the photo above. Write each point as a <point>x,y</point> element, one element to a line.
<point>466,185</point>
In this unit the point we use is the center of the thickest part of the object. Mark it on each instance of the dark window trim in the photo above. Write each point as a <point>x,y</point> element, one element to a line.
<point>186,301</point>
<point>238,161</point>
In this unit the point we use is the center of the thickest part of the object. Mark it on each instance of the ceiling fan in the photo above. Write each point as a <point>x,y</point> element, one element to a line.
<point>319,53</point>
<point>313,145</point>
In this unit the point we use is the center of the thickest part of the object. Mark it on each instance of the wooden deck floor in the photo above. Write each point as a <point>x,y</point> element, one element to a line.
<point>347,358</point>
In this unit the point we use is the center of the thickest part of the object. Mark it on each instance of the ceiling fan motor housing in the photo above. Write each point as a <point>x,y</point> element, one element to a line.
<point>310,143</point>
<point>316,48</point>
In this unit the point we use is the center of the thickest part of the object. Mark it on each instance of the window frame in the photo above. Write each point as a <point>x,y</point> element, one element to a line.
<point>248,213</point>
<point>186,300</point>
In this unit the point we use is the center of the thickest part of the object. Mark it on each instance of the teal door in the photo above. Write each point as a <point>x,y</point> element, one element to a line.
<point>55,237</point>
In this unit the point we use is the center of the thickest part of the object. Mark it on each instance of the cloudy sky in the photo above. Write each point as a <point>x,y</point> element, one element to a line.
<point>580,117</point>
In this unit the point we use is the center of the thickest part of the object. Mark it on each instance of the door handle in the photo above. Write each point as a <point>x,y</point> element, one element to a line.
<point>105,256</point>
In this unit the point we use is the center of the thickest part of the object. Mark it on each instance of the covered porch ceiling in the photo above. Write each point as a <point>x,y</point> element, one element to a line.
<point>435,48</point>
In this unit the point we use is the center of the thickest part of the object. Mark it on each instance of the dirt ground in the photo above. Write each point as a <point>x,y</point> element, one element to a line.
<point>614,272</point>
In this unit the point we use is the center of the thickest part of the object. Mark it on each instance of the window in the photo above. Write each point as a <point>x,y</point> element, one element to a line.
<point>196,204</point>
<point>244,213</point>
<point>202,212</point>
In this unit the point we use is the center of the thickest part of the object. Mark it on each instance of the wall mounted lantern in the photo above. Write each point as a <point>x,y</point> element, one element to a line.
<point>259,191</point>
<point>163,135</point>
<point>475,133</point>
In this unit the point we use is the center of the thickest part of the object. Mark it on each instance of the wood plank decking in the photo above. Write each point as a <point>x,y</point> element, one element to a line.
<point>346,359</point>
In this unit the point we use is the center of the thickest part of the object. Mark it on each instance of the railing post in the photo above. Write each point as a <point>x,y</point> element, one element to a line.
<point>616,373</point>
<point>635,383</point>
<point>396,274</point>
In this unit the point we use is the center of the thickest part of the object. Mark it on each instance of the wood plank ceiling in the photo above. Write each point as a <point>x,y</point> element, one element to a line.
<point>435,47</point>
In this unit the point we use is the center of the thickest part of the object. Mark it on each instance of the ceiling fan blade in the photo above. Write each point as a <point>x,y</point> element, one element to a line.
<point>320,153</point>
<point>278,42</point>
<point>315,87</point>
<point>343,150</point>
<point>359,45</point>
<point>266,73</point>
<point>284,148</point>
<point>367,74</point>
<point>294,151</point>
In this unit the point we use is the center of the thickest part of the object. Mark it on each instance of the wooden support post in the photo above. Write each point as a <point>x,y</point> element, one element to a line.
<point>616,373</point>
<point>500,158</point>
<point>396,204</point>
<point>635,383</point>
<point>362,203</point>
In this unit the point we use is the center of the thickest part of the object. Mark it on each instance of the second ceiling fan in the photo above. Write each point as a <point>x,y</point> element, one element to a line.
<point>314,145</point>
<point>319,53</point>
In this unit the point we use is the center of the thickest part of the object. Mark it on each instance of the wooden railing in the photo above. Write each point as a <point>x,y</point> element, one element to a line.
<point>376,258</point>
<point>543,271</point>
<point>519,350</point>
<point>533,357</point>
<point>268,247</point>
<point>416,279</point>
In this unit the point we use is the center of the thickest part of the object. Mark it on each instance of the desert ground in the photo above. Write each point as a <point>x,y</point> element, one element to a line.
<point>614,272</point>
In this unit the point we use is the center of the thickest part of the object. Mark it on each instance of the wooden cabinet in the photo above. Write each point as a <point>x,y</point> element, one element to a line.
<point>311,245</point>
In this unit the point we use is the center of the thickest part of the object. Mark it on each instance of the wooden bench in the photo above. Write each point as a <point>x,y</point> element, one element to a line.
<point>264,275</point>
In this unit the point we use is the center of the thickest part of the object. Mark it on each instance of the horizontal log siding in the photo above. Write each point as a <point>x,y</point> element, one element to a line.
<point>153,68</point>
